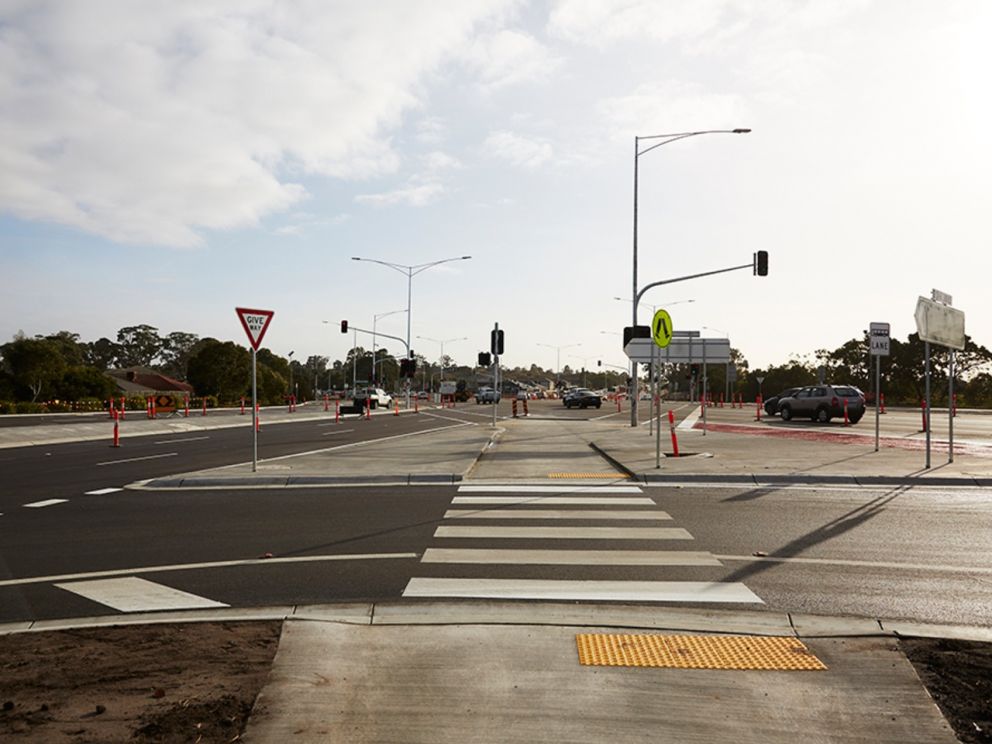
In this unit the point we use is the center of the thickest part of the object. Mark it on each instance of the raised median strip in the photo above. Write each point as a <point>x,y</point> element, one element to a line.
<point>296,481</point>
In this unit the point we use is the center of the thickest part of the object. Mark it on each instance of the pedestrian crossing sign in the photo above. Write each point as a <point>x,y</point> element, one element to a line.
<point>661,328</point>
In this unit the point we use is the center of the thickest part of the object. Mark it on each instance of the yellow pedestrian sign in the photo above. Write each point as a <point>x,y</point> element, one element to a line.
<point>661,328</point>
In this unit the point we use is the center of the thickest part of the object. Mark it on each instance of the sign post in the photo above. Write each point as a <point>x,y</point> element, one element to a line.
<point>937,322</point>
<point>255,323</point>
<point>496,348</point>
<point>878,339</point>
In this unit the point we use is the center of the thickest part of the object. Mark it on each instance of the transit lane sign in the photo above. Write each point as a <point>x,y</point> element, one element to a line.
<point>255,322</point>
<point>661,328</point>
<point>878,338</point>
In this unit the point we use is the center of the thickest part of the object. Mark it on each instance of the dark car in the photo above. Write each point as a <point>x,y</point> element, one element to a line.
<point>771,404</point>
<point>582,398</point>
<point>824,402</point>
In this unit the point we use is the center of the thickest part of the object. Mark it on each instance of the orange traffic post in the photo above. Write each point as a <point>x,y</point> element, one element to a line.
<point>112,409</point>
<point>117,434</point>
<point>671,428</point>
<point>757,401</point>
<point>881,398</point>
<point>526,412</point>
<point>396,410</point>
<point>186,406</point>
<point>514,407</point>
<point>122,408</point>
<point>204,405</point>
<point>847,420</point>
<point>326,403</point>
<point>416,405</point>
<point>242,405</point>
<point>337,411</point>
<point>368,409</point>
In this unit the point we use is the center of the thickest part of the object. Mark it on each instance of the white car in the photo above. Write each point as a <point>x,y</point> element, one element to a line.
<point>380,398</point>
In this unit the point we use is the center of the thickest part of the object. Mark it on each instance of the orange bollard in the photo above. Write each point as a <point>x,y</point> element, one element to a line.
<point>337,412</point>
<point>186,406</point>
<point>758,403</point>
<point>671,428</point>
<point>368,409</point>
<point>847,421</point>
<point>242,405</point>
<point>112,409</point>
<point>117,434</point>
<point>702,403</point>
<point>204,405</point>
<point>881,398</point>
<point>122,408</point>
<point>396,410</point>
<point>326,403</point>
<point>526,412</point>
<point>514,407</point>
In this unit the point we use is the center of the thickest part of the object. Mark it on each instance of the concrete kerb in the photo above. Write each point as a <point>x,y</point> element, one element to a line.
<point>442,613</point>
<point>294,481</point>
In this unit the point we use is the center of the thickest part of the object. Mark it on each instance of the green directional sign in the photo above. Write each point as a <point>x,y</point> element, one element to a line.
<point>661,328</point>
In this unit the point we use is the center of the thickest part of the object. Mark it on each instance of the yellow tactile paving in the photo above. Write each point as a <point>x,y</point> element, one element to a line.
<point>696,652</point>
<point>588,475</point>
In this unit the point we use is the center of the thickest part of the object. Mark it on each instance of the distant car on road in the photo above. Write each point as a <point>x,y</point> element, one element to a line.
<point>423,395</point>
<point>824,402</point>
<point>771,405</point>
<point>486,395</point>
<point>582,398</point>
<point>379,398</point>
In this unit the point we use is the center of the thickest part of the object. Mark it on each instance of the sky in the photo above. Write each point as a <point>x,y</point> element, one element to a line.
<point>164,163</point>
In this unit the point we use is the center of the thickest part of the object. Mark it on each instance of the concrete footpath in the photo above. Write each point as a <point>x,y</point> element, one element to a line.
<point>409,671</point>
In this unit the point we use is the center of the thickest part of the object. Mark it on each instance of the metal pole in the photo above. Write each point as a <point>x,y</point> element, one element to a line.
<point>950,410</point>
<point>374,319</point>
<point>632,387</point>
<point>254,414</point>
<point>654,389</point>
<point>409,298</point>
<point>657,412</point>
<point>354,365</point>
<point>706,392</point>
<point>926,368</point>
<point>878,396</point>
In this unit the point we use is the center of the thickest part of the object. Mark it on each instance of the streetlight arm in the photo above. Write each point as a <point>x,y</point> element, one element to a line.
<point>666,138</point>
<point>414,270</point>
<point>398,267</point>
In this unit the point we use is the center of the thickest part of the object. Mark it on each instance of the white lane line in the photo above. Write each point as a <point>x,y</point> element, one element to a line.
<point>184,439</point>
<point>337,431</point>
<point>131,594</point>
<point>572,557</point>
<point>103,491</point>
<point>553,500</point>
<point>566,533</point>
<point>617,591</point>
<point>861,564</point>
<point>555,514</point>
<point>213,564</point>
<point>46,502</point>
<point>548,489</point>
<point>136,459</point>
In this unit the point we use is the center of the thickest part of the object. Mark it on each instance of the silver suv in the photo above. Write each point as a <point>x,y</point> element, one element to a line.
<point>824,402</point>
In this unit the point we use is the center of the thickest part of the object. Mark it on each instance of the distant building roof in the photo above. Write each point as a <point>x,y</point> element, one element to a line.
<point>138,381</point>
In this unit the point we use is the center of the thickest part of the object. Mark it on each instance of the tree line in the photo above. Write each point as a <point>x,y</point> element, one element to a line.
<point>61,367</point>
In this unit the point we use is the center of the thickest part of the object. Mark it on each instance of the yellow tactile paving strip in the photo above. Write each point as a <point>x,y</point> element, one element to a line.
<point>696,652</point>
<point>588,475</point>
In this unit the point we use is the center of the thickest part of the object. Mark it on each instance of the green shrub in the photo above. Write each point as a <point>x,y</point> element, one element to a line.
<point>135,403</point>
<point>7,406</point>
<point>90,404</point>
<point>58,406</point>
<point>28,407</point>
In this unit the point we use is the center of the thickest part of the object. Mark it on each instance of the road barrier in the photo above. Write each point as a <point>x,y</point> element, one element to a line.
<point>671,428</point>
<point>122,408</point>
<point>368,409</point>
<point>112,409</point>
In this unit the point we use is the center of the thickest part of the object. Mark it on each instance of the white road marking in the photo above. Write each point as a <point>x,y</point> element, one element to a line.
<point>554,514</point>
<point>572,557</point>
<point>553,500</point>
<point>338,431</point>
<point>198,566</point>
<point>618,591</point>
<point>46,502</point>
<point>103,491</point>
<point>136,459</point>
<point>548,489</point>
<point>566,533</point>
<point>131,594</point>
<point>184,439</point>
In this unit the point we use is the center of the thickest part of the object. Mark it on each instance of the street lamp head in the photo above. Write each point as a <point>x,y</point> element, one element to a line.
<point>741,131</point>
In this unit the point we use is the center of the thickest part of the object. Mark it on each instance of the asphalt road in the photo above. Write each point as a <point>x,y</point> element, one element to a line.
<point>918,553</point>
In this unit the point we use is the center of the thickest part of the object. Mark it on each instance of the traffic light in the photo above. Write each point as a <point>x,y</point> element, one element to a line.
<point>599,363</point>
<point>485,359</point>
<point>408,368</point>
<point>496,342</point>
<point>344,326</point>
<point>761,263</point>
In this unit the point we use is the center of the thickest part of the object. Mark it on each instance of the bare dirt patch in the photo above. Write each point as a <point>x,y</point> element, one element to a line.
<point>193,682</point>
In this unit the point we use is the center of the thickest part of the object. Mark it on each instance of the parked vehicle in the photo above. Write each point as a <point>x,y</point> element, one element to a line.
<point>824,402</point>
<point>582,398</point>
<point>487,395</point>
<point>771,405</point>
<point>379,397</point>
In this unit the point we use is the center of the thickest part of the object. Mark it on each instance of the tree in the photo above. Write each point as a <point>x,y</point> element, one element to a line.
<point>139,345</point>
<point>85,382</point>
<point>220,369</point>
<point>101,354</point>
<point>69,346</point>
<point>33,363</point>
<point>176,350</point>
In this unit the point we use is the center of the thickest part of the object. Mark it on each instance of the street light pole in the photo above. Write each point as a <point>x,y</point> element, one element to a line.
<point>664,140</point>
<point>410,271</point>
<point>558,354</point>
<point>375,319</point>
<point>726,365</point>
<point>443,342</point>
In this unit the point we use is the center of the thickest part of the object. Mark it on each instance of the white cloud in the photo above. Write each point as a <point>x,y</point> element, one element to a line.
<point>518,150</point>
<point>507,57</point>
<point>414,196</point>
<point>640,112</point>
<point>150,122</point>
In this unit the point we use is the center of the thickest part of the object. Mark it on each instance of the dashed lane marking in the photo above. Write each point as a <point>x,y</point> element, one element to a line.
<point>46,502</point>
<point>337,431</point>
<point>131,594</point>
<point>137,459</point>
<point>102,491</point>
<point>571,557</point>
<point>184,439</point>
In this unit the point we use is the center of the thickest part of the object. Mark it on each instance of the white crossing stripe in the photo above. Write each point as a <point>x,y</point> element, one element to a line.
<point>554,500</point>
<point>638,514</point>
<point>572,557</point>
<point>131,594</point>
<point>625,591</point>
<point>549,489</point>
<point>566,533</point>
<point>103,491</point>
<point>46,502</point>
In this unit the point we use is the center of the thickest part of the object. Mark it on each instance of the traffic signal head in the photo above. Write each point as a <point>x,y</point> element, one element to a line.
<point>761,263</point>
<point>485,359</point>
<point>599,363</point>
<point>408,367</point>
<point>344,326</point>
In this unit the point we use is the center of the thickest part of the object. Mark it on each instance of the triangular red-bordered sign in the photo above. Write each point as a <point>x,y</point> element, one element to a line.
<point>255,322</point>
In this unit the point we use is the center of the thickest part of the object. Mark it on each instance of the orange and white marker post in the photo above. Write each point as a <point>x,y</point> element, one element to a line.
<point>337,412</point>
<point>396,410</point>
<point>186,406</point>
<point>117,434</point>
<point>847,420</point>
<point>758,408</point>
<point>204,405</point>
<point>671,428</point>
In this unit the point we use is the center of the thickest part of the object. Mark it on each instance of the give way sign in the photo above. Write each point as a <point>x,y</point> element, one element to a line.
<point>256,322</point>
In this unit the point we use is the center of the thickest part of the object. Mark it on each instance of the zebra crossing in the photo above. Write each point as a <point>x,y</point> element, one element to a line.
<point>597,543</point>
